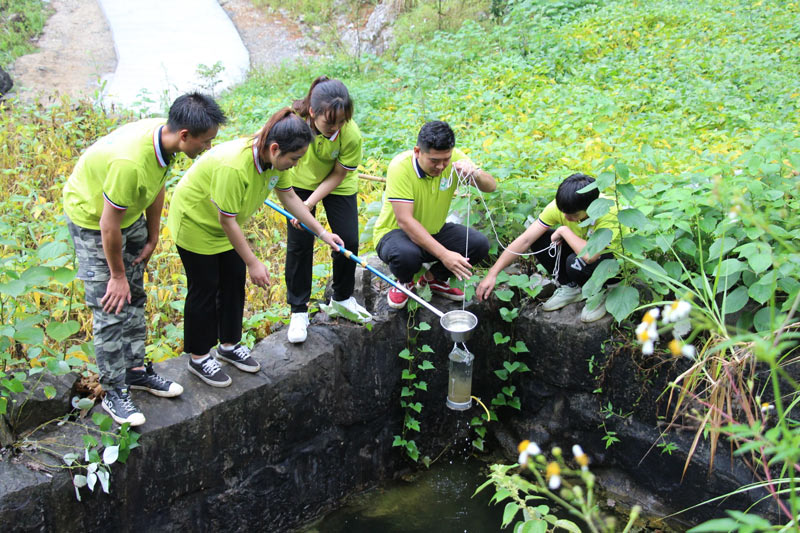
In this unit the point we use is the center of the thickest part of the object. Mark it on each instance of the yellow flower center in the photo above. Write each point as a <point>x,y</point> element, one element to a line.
<point>648,318</point>
<point>582,460</point>
<point>523,445</point>
<point>675,347</point>
<point>644,335</point>
<point>675,304</point>
<point>552,470</point>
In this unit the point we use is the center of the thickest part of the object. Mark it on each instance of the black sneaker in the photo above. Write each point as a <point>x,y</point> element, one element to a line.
<point>209,371</point>
<point>239,356</point>
<point>117,402</point>
<point>148,380</point>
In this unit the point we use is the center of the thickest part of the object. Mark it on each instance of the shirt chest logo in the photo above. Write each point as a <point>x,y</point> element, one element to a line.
<point>273,180</point>
<point>334,154</point>
<point>445,183</point>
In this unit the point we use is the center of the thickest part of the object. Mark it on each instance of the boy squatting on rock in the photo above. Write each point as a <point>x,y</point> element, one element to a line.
<point>559,222</point>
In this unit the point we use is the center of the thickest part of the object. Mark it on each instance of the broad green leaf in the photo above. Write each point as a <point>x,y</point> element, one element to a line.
<point>718,524</point>
<point>13,384</point>
<point>598,242</point>
<point>13,288</point>
<point>426,365</point>
<point>499,338</point>
<point>607,269</point>
<point>405,354</point>
<point>110,454</point>
<point>64,275</point>
<point>729,267</point>
<point>621,301</point>
<point>49,392</point>
<point>504,295</point>
<point>736,299</point>
<point>572,527</point>
<point>760,292</point>
<point>85,403</point>
<point>599,207</point>
<point>721,246</point>
<point>407,375</point>
<point>29,335</point>
<point>633,218</point>
<point>509,513</point>
<point>59,331</point>
<point>761,261</point>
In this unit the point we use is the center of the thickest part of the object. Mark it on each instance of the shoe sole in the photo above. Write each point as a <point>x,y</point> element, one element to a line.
<point>452,297</point>
<point>207,381</point>
<point>156,392</point>
<point>240,366</point>
<point>561,305</point>
<point>119,420</point>
<point>396,306</point>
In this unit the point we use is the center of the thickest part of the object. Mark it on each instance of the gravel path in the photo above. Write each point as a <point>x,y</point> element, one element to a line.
<point>76,49</point>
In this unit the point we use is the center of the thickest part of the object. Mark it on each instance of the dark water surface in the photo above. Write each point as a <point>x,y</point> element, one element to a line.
<point>438,500</point>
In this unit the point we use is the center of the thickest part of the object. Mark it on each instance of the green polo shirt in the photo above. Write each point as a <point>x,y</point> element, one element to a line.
<point>126,169</point>
<point>407,183</point>
<point>551,217</point>
<point>228,179</point>
<point>343,148</point>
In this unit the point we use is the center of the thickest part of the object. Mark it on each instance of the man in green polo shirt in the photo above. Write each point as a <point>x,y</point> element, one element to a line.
<point>113,202</point>
<point>412,228</point>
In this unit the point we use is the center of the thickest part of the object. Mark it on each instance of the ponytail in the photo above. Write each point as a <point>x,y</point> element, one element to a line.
<point>325,97</point>
<point>285,128</point>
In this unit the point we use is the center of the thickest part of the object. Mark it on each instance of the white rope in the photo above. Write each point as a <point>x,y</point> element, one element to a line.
<point>553,250</point>
<point>464,180</point>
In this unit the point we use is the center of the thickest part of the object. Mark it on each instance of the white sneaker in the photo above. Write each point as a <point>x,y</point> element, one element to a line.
<point>563,296</point>
<point>595,314</point>
<point>351,307</point>
<point>298,328</point>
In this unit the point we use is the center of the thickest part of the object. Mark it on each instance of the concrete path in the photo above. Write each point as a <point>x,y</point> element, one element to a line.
<point>161,43</point>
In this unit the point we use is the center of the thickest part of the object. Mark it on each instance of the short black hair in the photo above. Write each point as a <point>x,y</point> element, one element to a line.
<point>195,112</point>
<point>436,135</point>
<point>569,200</point>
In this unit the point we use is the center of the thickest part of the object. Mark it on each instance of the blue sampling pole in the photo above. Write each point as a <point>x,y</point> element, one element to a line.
<point>350,255</point>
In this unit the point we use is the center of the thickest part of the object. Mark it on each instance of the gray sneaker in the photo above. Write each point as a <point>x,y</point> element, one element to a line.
<point>117,402</point>
<point>595,314</point>
<point>209,371</point>
<point>239,356</point>
<point>563,296</point>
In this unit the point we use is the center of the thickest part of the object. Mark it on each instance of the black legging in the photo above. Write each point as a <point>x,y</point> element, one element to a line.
<point>342,211</point>
<point>214,301</point>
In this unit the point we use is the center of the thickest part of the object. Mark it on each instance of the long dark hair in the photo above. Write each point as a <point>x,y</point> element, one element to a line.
<point>326,97</point>
<point>285,128</point>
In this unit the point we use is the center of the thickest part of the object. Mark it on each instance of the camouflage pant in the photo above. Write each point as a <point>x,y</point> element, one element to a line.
<point>119,340</point>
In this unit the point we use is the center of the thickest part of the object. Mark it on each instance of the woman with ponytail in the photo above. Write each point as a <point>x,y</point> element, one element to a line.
<point>325,174</point>
<point>218,194</point>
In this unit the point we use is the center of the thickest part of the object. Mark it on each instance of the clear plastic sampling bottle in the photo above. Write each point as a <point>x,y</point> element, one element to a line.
<point>459,390</point>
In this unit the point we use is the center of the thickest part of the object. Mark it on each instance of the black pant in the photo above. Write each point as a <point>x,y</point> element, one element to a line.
<point>215,299</point>
<point>342,214</point>
<point>405,258</point>
<point>572,270</point>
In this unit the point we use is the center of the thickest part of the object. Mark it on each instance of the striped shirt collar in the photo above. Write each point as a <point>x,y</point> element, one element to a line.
<point>257,160</point>
<point>417,168</point>
<point>158,148</point>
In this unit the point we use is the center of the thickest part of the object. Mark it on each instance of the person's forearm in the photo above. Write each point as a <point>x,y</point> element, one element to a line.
<point>153,217</point>
<point>485,181</point>
<point>576,243</point>
<point>295,206</point>
<point>237,239</point>
<point>112,248</point>
<point>331,181</point>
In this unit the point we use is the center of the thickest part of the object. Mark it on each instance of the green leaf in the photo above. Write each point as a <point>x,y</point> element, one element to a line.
<point>722,247</point>
<point>3,405</point>
<point>633,218</point>
<point>499,338</point>
<point>405,354</point>
<point>13,384</point>
<point>504,295</point>
<point>426,365</point>
<point>421,385</point>
<point>64,275</point>
<point>29,335</point>
<point>718,524</point>
<point>511,367</point>
<point>110,454</point>
<point>14,288</point>
<point>599,207</point>
<point>572,527</point>
<point>598,242</point>
<point>426,349</point>
<point>621,301</point>
<point>49,392</point>
<point>85,403</point>
<point>729,267</point>
<point>408,375</point>
<point>760,261</point>
<point>519,347</point>
<point>607,269</point>
<point>736,299</point>
<point>509,513</point>
<point>423,326</point>
<point>760,292</point>
<point>478,444</point>
<point>59,331</point>
<point>405,392</point>
<point>502,374</point>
